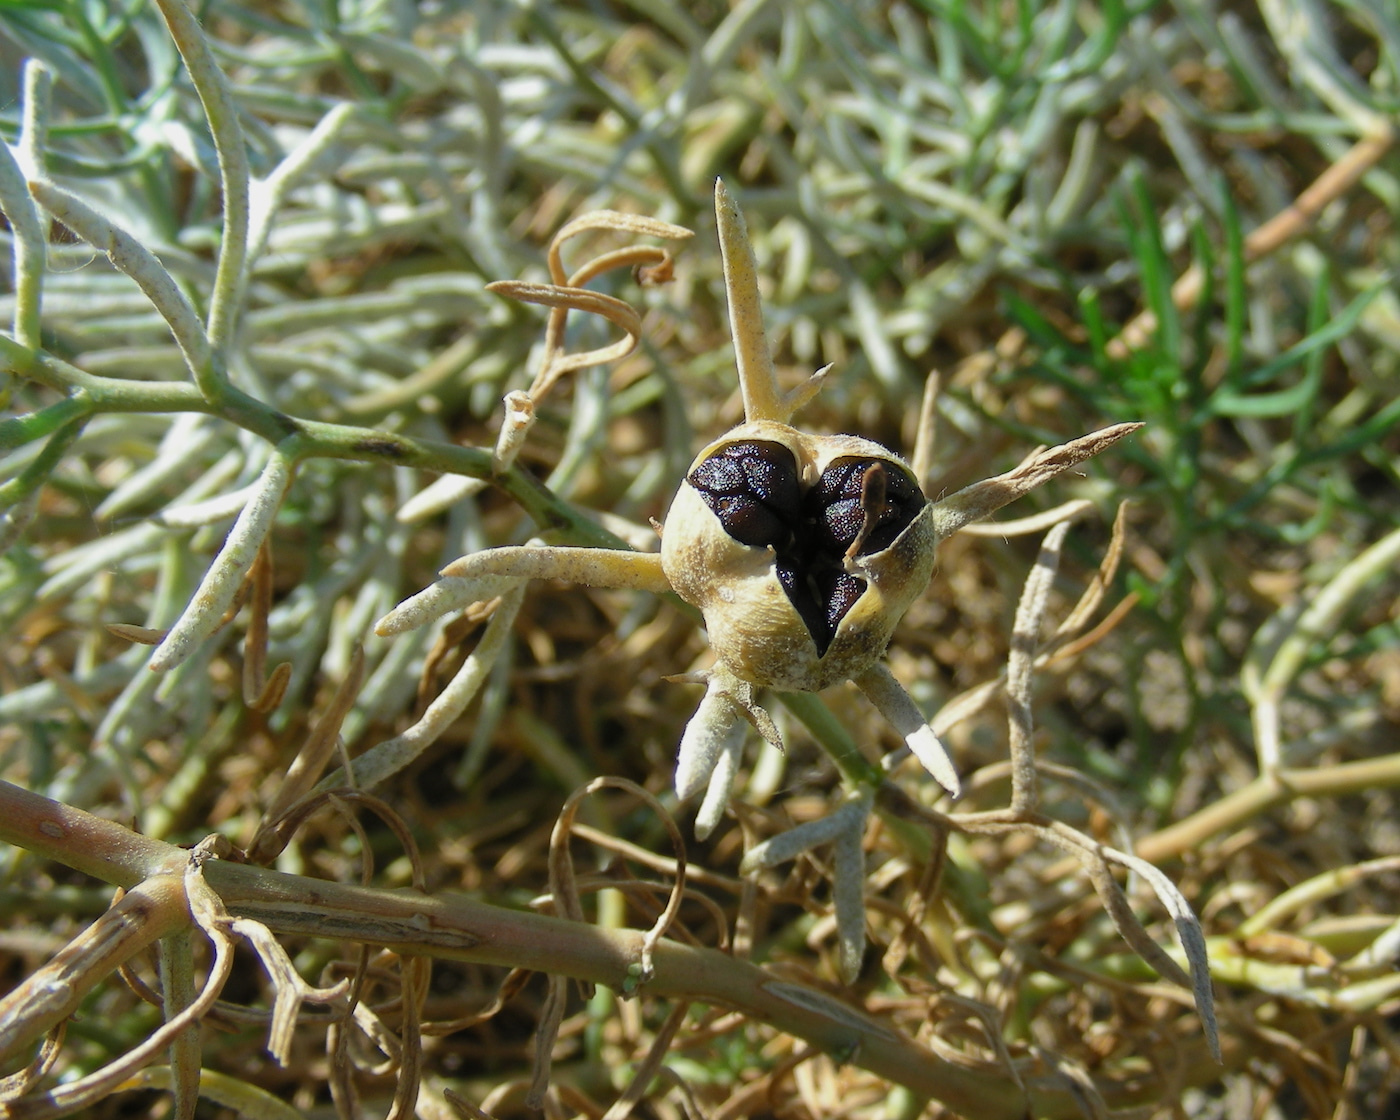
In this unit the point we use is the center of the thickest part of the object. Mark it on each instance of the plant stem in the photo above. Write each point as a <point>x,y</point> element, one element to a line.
<point>1264,793</point>
<point>33,476</point>
<point>460,928</point>
<point>234,176</point>
<point>304,439</point>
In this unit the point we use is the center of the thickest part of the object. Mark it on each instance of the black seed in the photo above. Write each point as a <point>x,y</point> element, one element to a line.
<point>812,612</point>
<point>840,590</point>
<point>718,475</point>
<point>771,473</point>
<point>834,506</point>
<point>748,521</point>
<point>821,597</point>
<point>752,488</point>
<point>839,523</point>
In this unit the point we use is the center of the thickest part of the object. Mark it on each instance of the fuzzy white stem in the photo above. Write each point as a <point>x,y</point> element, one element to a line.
<point>212,86</point>
<point>138,262</point>
<point>715,724</point>
<point>451,593</point>
<point>267,197</point>
<point>896,705</point>
<point>792,843</point>
<point>392,755</point>
<point>848,898</point>
<point>226,573</point>
<point>31,249</point>
<point>721,785</point>
<point>1025,635</point>
<point>595,567</point>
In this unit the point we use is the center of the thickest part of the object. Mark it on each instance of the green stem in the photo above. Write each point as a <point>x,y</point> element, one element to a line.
<point>19,430</point>
<point>34,475</point>
<point>827,730</point>
<point>102,394</point>
<point>178,991</point>
<point>31,248</point>
<point>860,773</point>
<point>234,177</point>
<point>90,394</point>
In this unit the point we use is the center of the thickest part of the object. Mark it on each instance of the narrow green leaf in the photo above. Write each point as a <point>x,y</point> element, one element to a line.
<point>1228,403</point>
<point>1092,315</point>
<point>1235,298</point>
<point>1314,363</point>
<point>1154,267</point>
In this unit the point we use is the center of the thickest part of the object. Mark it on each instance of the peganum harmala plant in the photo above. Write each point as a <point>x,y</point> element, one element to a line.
<point>801,552</point>
<point>828,626</point>
<point>283,438</point>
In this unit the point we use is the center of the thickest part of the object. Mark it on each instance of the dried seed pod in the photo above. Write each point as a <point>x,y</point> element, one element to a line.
<point>803,552</point>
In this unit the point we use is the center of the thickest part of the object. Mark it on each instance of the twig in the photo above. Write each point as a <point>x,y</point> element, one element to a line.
<point>225,576</point>
<point>1263,793</point>
<point>1314,626</point>
<point>225,305</point>
<point>392,755</point>
<point>1025,635</point>
<point>147,912</point>
<point>460,928</point>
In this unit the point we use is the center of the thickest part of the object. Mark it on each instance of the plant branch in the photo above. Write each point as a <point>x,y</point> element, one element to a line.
<point>90,394</point>
<point>1265,792</point>
<point>234,177</point>
<point>460,928</point>
<point>149,911</point>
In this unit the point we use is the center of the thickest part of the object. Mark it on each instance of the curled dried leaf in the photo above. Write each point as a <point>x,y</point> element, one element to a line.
<point>308,766</point>
<point>563,886</point>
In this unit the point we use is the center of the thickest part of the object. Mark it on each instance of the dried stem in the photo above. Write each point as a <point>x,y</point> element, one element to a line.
<point>151,909</point>
<point>1268,790</point>
<point>982,499</point>
<point>1025,638</point>
<point>460,928</point>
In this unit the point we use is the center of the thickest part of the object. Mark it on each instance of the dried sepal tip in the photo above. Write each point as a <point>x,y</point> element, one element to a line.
<point>716,725</point>
<point>721,785</point>
<point>982,499</point>
<point>758,380</point>
<point>897,706</point>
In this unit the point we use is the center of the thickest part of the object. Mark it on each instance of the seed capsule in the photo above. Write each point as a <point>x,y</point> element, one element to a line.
<point>802,552</point>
